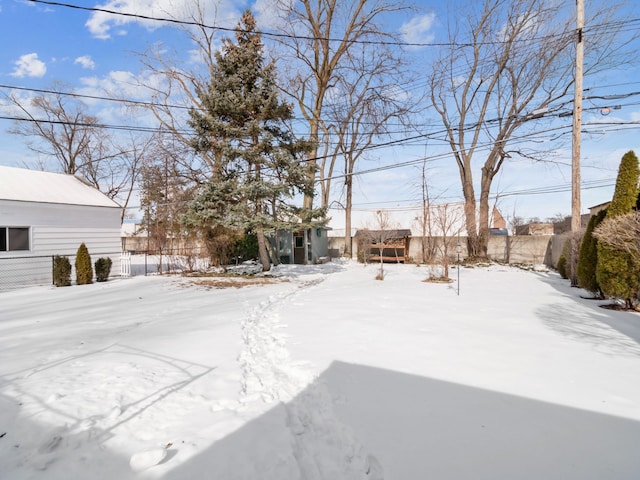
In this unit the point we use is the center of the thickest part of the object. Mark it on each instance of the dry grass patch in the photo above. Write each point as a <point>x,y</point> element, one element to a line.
<point>210,281</point>
<point>438,280</point>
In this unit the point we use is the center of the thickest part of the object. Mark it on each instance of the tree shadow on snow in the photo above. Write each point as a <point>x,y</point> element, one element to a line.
<point>29,449</point>
<point>71,444</point>
<point>398,426</point>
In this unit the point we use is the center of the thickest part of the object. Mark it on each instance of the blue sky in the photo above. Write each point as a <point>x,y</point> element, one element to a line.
<point>92,51</point>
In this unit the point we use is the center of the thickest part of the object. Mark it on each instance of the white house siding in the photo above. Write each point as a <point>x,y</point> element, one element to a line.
<point>57,229</point>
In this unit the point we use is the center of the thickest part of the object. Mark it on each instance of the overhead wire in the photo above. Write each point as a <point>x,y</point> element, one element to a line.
<point>199,24</point>
<point>403,141</point>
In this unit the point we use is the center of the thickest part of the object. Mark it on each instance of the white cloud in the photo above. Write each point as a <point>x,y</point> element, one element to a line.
<point>267,13</point>
<point>417,30</point>
<point>86,62</point>
<point>29,65</point>
<point>100,24</point>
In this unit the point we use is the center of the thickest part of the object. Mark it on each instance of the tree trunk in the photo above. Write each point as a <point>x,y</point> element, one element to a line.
<point>312,161</point>
<point>483,215</point>
<point>473,242</point>
<point>262,250</point>
<point>273,253</point>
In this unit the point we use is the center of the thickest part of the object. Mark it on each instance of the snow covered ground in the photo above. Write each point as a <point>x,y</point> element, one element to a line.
<point>322,373</point>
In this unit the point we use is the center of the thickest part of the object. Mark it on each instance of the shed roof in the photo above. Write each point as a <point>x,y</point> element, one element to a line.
<point>394,233</point>
<point>24,185</point>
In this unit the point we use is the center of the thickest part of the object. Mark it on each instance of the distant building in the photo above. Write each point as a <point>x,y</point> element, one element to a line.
<point>565,225</point>
<point>536,228</point>
<point>596,209</point>
<point>498,221</point>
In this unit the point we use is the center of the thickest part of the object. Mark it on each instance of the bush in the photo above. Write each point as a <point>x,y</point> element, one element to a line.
<point>103,269</point>
<point>615,272</point>
<point>84,270</point>
<point>246,246</point>
<point>562,266</point>
<point>61,271</point>
<point>588,256</point>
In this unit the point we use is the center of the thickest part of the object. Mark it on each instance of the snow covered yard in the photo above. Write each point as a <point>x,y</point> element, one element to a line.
<point>327,374</point>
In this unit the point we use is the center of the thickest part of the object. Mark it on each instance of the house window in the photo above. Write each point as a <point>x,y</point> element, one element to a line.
<point>299,242</point>
<point>14,239</point>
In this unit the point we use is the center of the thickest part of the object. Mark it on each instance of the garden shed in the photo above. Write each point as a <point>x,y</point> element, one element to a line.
<point>45,214</point>
<point>383,245</point>
<point>302,247</point>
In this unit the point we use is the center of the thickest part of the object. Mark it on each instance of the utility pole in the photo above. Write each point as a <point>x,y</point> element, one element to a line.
<point>575,139</point>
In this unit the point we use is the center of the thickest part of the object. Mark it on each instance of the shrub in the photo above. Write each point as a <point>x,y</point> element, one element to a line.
<point>246,246</point>
<point>614,272</point>
<point>84,270</point>
<point>564,266</point>
<point>61,271</point>
<point>103,269</point>
<point>588,257</point>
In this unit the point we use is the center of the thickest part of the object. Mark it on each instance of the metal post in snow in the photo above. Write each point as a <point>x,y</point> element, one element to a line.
<point>458,248</point>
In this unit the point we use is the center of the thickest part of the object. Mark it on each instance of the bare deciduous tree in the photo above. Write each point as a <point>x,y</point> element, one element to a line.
<point>423,220</point>
<point>447,220</point>
<point>174,89</point>
<point>57,126</point>
<point>379,236</point>
<point>364,106</point>
<point>322,35</point>
<point>509,60</point>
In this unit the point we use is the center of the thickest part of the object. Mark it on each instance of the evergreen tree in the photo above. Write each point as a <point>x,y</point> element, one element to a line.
<point>61,271</point>
<point>615,273</point>
<point>245,125</point>
<point>103,269</point>
<point>84,269</point>
<point>588,256</point>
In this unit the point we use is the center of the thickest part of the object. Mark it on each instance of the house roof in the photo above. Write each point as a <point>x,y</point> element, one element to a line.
<point>24,185</point>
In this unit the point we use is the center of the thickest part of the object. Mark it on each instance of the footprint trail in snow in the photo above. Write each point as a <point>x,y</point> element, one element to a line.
<point>322,445</point>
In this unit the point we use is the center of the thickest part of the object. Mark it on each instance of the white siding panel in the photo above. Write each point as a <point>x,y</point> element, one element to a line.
<point>57,229</point>
<point>57,241</point>
<point>30,214</point>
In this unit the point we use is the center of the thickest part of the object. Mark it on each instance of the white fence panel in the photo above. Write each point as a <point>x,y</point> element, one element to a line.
<point>125,264</point>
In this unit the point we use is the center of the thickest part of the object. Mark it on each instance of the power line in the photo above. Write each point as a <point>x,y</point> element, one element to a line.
<point>542,190</point>
<point>619,24</point>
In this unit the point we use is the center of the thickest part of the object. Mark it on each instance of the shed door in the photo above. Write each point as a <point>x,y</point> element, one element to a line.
<point>298,248</point>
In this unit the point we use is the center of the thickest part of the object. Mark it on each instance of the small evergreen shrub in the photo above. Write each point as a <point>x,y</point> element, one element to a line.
<point>562,266</point>
<point>61,271</point>
<point>564,261</point>
<point>588,256</point>
<point>84,269</point>
<point>103,269</point>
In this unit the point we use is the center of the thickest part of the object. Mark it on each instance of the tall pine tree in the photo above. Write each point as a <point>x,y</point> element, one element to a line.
<point>615,273</point>
<point>245,124</point>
